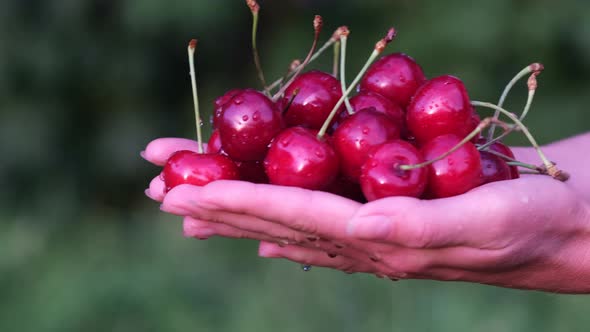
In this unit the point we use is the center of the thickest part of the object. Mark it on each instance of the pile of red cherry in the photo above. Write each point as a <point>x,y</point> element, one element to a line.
<point>386,141</point>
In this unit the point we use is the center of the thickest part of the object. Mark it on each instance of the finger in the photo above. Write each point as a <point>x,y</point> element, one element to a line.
<point>314,257</point>
<point>478,218</point>
<point>156,189</point>
<point>159,150</point>
<point>202,229</point>
<point>310,212</point>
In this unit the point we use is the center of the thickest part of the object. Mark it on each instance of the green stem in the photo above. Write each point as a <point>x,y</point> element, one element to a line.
<point>343,40</point>
<point>255,51</point>
<point>191,54</point>
<point>523,165</point>
<point>336,59</point>
<point>529,101</point>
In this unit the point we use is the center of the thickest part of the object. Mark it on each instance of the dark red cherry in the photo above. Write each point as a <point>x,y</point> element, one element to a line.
<point>368,99</point>
<point>357,134</point>
<point>346,188</point>
<point>493,168</point>
<point>395,76</point>
<point>455,174</point>
<point>218,105</point>
<point>441,106</point>
<point>298,158</point>
<point>503,149</point>
<point>252,171</point>
<point>318,94</point>
<point>381,176</point>
<point>214,143</point>
<point>248,123</point>
<point>188,167</point>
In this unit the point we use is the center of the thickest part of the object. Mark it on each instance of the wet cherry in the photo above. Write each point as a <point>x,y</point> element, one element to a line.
<point>248,123</point>
<point>298,158</point>
<point>455,174</point>
<point>493,168</point>
<point>395,76</point>
<point>218,105</point>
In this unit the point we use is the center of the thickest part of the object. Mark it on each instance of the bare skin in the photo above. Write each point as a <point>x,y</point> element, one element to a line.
<point>530,233</point>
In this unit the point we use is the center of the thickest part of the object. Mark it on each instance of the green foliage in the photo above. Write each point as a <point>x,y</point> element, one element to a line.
<point>84,85</point>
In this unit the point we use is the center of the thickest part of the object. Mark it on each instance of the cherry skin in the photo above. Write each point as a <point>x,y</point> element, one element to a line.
<point>298,158</point>
<point>218,105</point>
<point>395,76</point>
<point>189,167</point>
<point>357,134</point>
<point>368,99</point>
<point>252,171</point>
<point>248,123</point>
<point>503,149</point>
<point>440,106</point>
<point>214,143</point>
<point>455,174</point>
<point>347,189</point>
<point>381,177</point>
<point>493,168</point>
<point>318,94</point>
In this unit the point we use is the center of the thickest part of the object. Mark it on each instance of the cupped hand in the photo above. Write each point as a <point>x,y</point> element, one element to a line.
<point>529,233</point>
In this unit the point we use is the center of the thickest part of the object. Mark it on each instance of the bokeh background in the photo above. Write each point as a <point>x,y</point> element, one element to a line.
<point>86,84</point>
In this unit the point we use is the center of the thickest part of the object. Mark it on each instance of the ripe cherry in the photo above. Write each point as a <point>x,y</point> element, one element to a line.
<point>455,174</point>
<point>346,188</point>
<point>218,105</point>
<point>357,134</point>
<point>494,168</point>
<point>440,106</point>
<point>298,158</point>
<point>188,167</point>
<point>252,171</point>
<point>214,143</point>
<point>368,99</point>
<point>381,177</point>
<point>317,93</point>
<point>505,150</point>
<point>395,76</point>
<point>248,123</point>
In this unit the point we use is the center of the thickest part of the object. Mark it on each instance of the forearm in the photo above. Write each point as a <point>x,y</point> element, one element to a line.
<point>571,155</point>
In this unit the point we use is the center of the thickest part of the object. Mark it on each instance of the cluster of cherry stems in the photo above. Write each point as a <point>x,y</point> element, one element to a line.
<point>400,134</point>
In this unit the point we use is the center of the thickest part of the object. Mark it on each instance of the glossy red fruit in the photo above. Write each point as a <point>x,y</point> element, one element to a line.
<point>346,188</point>
<point>298,158</point>
<point>318,94</point>
<point>248,123</point>
<point>441,106</point>
<point>381,177</point>
<point>503,149</point>
<point>368,99</point>
<point>357,134</point>
<point>218,105</point>
<point>214,143</point>
<point>493,168</point>
<point>455,174</point>
<point>395,76</point>
<point>252,171</point>
<point>189,167</point>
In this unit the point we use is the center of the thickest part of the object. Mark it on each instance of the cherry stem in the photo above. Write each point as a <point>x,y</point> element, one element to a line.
<point>532,85</point>
<point>317,27</point>
<point>481,126</point>
<point>379,47</point>
<point>343,40</point>
<point>335,37</point>
<point>191,60</point>
<point>523,165</point>
<point>335,59</point>
<point>534,67</point>
<point>551,168</point>
<point>255,8</point>
<point>293,95</point>
<point>292,67</point>
<point>499,138</point>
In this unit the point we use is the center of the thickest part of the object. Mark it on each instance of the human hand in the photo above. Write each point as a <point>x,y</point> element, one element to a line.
<point>513,233</point>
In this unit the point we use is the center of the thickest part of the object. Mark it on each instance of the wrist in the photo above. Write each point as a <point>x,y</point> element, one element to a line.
<point>577,256</point>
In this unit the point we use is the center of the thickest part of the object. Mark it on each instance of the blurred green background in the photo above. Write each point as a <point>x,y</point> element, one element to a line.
<point>85,85</point>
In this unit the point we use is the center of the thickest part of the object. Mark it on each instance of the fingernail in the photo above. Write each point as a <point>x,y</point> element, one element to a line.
<point>268,250</point>
<point>370,228</point>
<point>147,193</point>
<point>142,154</point>
<point>179,211</point>
<point>200,233</point>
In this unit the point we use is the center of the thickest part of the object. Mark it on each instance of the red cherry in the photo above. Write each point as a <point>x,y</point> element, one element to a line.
<point>218,105</point>
<point>252,171</point>
<point>357,134</point>
<point>455,174</point>
<point>318,94</point>
<point>298,158</point>
<point>395,76</point>
<point>493,167</point>
<point>440,106</point>
<point>214,143</point>
<point>188,167</point>
<point>368,99</point>
<point>380,176</point>
<point>346,188</point>
<point>248,123</point>
<point>503,149</point>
